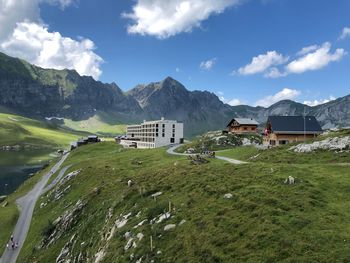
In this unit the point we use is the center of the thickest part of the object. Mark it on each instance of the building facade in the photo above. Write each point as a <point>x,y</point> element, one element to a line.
<point>154,134</point>
<point>281,130</point>
<point>242,125</point>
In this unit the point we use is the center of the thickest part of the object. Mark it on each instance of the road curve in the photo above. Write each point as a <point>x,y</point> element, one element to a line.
<point>26,206</point>
<point>172,149</point>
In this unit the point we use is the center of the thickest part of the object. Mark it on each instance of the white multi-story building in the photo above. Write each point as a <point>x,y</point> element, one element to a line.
<point>153,134</point>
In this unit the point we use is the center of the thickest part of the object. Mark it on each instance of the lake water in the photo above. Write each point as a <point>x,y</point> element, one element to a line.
<point>16,167</point>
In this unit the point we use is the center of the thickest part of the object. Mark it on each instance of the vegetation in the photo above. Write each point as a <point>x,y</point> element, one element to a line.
<point>17,130</point>
<point>215,141</point>
<point>101,123</point>
<point>266,220</point>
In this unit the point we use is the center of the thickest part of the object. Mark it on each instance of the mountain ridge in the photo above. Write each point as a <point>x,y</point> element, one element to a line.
<point>36,92</point>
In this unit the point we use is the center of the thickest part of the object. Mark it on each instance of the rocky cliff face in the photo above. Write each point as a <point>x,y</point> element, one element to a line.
<point>37,92</point>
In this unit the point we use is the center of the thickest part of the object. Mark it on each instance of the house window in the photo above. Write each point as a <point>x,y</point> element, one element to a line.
<point>245,128</point>
<point>157,125</point>
<point>253,129</point>
<point>172,140</point>
<point>272,142</point>
<point>283,142</point>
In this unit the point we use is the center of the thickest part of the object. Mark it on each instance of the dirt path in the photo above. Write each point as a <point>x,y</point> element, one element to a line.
<point>172,149</point>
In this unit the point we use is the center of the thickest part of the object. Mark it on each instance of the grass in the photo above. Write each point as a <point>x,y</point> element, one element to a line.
<point>97,124</point>
<point>17,130</point>
<point>240,153</point>
<point>265,221</point>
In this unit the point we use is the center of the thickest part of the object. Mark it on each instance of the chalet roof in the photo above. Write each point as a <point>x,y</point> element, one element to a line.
<point>243,121</point>
<point>294,124</point>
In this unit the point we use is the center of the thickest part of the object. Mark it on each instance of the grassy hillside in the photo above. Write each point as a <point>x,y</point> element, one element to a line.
<point>264,221</point>
<point>17,130</point>
<point>101,123</point>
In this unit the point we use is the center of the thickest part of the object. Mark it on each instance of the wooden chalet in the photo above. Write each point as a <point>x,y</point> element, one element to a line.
<point>242,125</point>
<point>282,130</point>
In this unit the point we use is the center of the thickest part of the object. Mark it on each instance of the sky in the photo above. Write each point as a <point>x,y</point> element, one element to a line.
<point>253,52</point>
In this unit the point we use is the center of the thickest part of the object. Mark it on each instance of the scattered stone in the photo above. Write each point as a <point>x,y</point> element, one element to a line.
<point>2,198</point>
<point>129,183</point>
<point>138,214</point>
<point>129,244</point>
<point>331,144</point>
<point>290,180</point>
<point>183,221</point>
<point>159,252</point>
<point>4,204</point>
<point>42,205</point>
<point>127,235</point>
<point>157,194</point>
<point>120,222</point>
<point>228,196</point>
<point>139,260</point>
<point>168,227</point>
<point>162,217</point>
<point>99,256</point>
<point>140,236</point>
<point>197,159</point>
<point>141,223</point>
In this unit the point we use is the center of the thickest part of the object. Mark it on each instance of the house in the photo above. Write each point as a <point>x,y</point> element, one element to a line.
<point>93,139</point>
<point>242,125</point>
<point>287,129</point>
<point>153,134</point>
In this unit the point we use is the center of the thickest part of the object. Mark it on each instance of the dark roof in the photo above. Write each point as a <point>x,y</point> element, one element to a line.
<point>294,124</point>
<point>243,121</point>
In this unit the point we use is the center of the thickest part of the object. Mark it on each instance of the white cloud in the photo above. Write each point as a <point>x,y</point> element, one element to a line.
<point>318,102</point>
<point>208,64</point>
<point>177,70</point>
<point>234,102</point>
<point>345,33</point>
<point>285,94</point>
<point>262,62</point>
<point>317,59</point>
<point>164,19</point>
<point>24,35</point>
<point>307,49</point>
<point>274,73</point>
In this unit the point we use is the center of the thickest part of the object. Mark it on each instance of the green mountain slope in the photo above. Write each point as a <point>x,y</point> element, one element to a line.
<point>25,132</point>
<point>264,221</point>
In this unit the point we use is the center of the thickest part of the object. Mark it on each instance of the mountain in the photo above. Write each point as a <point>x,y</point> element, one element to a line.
<point>38,93</point>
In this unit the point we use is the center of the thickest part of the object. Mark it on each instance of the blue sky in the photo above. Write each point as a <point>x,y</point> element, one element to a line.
<point>245,51</point>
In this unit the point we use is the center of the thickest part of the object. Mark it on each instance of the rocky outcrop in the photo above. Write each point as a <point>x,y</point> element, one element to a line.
<point>331,144</point>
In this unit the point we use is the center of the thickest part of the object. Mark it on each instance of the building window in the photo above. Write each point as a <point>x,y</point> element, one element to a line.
<point>163,125</point>
<point>283,142</point>
<point>253,129</point>
<point>245,128</point>
<point>272,142</point>
<point>172,140</point>
<point>173,126</point>
<point>156,134</point>
<point>163,134</point>
<point>173,135</point>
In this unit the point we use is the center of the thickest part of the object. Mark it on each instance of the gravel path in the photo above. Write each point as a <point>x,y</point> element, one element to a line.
<point>172,149</point>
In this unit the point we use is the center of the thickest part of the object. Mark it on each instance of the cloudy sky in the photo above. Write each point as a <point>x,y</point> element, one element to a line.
<point>254,52</point>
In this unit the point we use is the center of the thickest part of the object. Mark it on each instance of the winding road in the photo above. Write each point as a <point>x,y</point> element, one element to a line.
<point>26,206</point>
<point>172,149</point>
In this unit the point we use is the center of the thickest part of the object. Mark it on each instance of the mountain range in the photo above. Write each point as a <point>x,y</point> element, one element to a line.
<point>38,93</point>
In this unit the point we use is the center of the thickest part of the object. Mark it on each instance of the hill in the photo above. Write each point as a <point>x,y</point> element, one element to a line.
<point>95,217</point>
<point>38,93</point>
<point>19,131</point>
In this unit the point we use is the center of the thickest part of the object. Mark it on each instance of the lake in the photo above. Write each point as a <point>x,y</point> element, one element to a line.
<point>16,167</point>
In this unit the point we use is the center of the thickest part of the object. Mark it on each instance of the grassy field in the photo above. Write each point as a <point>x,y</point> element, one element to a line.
<point>101,123</point>
<point>264,221</point>
<point>17,130</point>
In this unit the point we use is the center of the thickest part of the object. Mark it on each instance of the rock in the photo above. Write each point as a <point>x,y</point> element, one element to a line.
<point>228,196</point>
<point>168,227</point>
<point>129,244</point>
<point>42,205</point>
<point>120,222</point>
<point>2,198</point>
<point>129,183</point>
<point>183,221</point>
<point>157,194</point>
<point>162,217</point>
<point>140,236</point>
<point>141,223</point>
<point>127,235</point>
<point>290,180</point>
<point>159,252</point>
<point>4,204</point>
<point>99,256</point>
<point>331,144</point>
